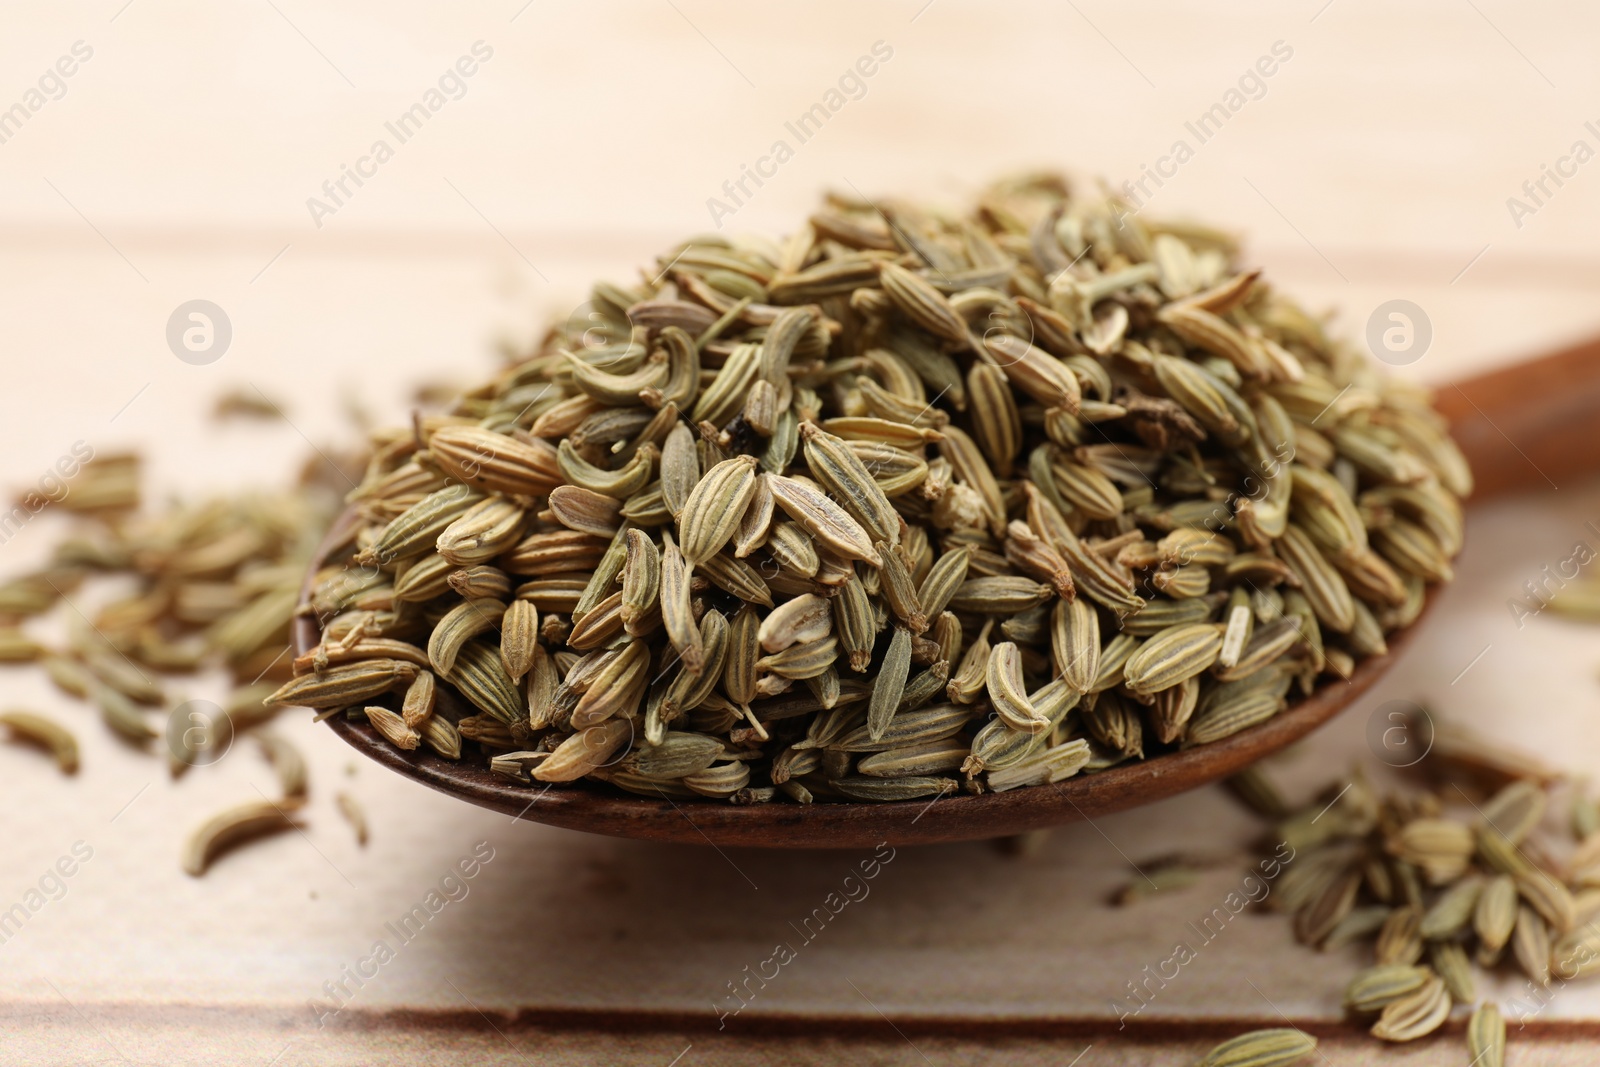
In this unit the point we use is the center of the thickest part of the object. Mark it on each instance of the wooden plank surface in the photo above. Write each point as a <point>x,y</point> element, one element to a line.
<point>177,165</point>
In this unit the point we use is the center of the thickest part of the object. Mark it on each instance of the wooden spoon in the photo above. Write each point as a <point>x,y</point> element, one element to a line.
<point>1521,428</point>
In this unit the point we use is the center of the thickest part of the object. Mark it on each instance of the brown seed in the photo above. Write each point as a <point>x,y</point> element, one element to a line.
<point>233,826</point>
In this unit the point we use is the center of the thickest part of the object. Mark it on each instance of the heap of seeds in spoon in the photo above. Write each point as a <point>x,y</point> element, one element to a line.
<point>907,503</point>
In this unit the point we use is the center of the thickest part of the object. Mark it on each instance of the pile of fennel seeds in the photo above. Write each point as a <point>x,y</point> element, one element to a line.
<point>905,504</point>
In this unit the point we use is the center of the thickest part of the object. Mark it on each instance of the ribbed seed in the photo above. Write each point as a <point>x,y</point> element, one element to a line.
<point>519,634</point>
<point>1224,718</point>
<point>494,462</point>
<point>416,530</point>
<point>484,531</point>
<point>556,552</point>
<point>825,520</point>
<point>1043,766</point>
<point>890,683</point>
<point>1486,1037</point>
<point>946,640</point>
<point>678,755</point>
<point>1377,987</point>
<point>995,419</point>
<point>744,649</point>
<point>792,548</point>
<point>971,677</point>
<point>999,745</point>
<point>1547,896</point>
<point>898,589</point>
<point>341,686</point>
<point>737,577</point>
<point>1452,911</point>
<point>459,625</point>
<point>1416,1014</point>
<point>581,509</point>
<point>1440,847</point>
<point>784,443</point>
<point>602,582</point>
<point>584,751</point>
<point>1323,587</point>
<point>931,758</point>
<point>641,581</point>
<point>1262,1048</point>
<point>712,512</point>
<point>676,614</point>
<point>1156,616</point>
<point>756,523</point>
<point>798,662</point>
<point>1008,695</point>
<point>999,595</point>
<point>540,689</point>
<point>1267,645</point>
<point>949,571</point>
<point>1398,941</point>
<point>417,706</point>
<point>1035,372</point>
<point>1075,643</point>
<point>924,305</point>
<point>1171,710</point>
<point>594,630</point>
<point>1114,723</point>
<point>1450,962</point>
<point>925,685</point>
<point>441,735</point>
<point>888,790</point>
<point>1036,557</point>
<point>616,689</point>
<point>896,471</point>
<point>1495,913</point>
<point>1088,490</point>
<point>854,622</point>
<point>1530,944</point>
<point>1201,395</point>
<point>472,583</point>
<point>835,465</point>
<point>924,725</point>
<point>393,728</point>
<point>1173,655</point>
<point>726,394</point>
<point>479,676</point>
<point>680,468</point>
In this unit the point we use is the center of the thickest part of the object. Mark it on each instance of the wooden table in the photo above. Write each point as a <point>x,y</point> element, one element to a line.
<point>177,166</point>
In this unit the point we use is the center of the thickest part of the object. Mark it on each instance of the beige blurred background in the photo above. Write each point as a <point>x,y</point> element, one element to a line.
<point>175,163</point>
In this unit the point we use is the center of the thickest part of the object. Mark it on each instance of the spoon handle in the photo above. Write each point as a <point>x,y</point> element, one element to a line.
<point>1531,425</point>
